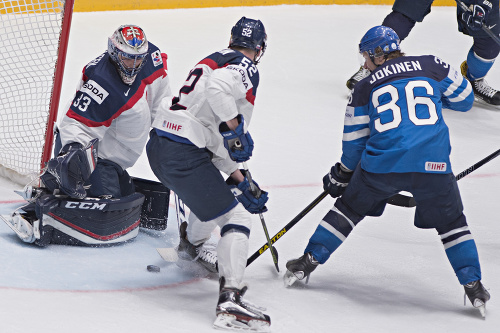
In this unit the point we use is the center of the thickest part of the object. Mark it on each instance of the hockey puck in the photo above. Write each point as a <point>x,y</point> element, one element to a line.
<point>153,268</point>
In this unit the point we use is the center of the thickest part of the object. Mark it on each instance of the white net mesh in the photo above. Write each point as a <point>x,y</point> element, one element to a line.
<point>29,39</point>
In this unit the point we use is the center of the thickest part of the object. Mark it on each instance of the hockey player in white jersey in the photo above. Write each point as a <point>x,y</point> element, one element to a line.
<point>205,133</point>
<point>395,139</point>
<point>103,133</point>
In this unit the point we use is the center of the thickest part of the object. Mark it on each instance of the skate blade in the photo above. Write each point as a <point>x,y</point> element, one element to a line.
<point>289,279</point>
<point>482,310</point>
<point>226,321</point>
<point>479,102</point>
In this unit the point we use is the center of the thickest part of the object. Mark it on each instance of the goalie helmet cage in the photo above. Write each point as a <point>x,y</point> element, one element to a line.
<point>34,37</point>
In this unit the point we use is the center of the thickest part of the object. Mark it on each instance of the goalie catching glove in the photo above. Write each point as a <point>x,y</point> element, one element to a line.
<point>337,180</point>
<point>253,201</point>
<point>238,143</point>
<point>71,168</point>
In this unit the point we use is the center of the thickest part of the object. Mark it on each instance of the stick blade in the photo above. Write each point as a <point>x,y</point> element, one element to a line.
<point>168,254</point>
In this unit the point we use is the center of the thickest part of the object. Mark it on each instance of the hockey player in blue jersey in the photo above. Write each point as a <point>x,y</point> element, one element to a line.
<point>103,133</point>
<point>482,54</point>
<point>395,139</point>
<point>204,133</point>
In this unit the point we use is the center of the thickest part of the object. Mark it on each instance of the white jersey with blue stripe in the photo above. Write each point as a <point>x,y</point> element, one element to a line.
<point>394,121</point>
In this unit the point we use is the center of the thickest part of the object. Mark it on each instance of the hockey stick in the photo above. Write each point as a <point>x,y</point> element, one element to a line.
<point>169,254</point>
<point>406,201</point>
<point>484,27</point>
<point>180,211</point>
<point>256,192</point>
<point>287,227</point>
<point>403,200</point>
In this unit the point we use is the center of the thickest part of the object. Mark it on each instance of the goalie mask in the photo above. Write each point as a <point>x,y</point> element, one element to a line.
<point>249,34</point>
<point>128,48</point>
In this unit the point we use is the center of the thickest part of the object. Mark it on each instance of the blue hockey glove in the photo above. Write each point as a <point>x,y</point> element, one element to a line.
<point>253,202</point>
<point>71,168</point>
<point>336,180</point>
<point>477,14</point>
<point>238,143</point>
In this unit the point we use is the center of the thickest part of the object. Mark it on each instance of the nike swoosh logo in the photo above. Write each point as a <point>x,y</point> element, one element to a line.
<point>126,93</point>
<point>491,26</point>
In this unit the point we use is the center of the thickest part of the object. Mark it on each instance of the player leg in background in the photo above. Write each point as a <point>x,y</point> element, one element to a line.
<point>189,172</point>
<point>366,195</point>
<point>482,55</point>
<point>402,19</point>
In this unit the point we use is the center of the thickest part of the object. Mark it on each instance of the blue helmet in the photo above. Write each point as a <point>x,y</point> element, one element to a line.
<point>250,34</point>
<point>379,41</point>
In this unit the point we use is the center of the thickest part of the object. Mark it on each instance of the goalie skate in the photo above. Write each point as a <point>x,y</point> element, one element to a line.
<point>20,226</point>
<point>233,313</point>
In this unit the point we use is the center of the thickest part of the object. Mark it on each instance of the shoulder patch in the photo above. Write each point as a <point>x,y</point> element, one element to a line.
<point>95,91</point>
<point>156,57</point>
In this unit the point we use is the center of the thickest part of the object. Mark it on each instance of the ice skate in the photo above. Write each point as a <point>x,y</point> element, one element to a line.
<point>298,269</point>
<point>233,313</point>
<point>358,76</point>
<point>477,295</point>
<point>482,91</point>
<point>21,225</point>
<point>187,251</point>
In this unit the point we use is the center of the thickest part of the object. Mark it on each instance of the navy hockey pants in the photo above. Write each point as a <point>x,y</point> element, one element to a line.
<point>189,172</point>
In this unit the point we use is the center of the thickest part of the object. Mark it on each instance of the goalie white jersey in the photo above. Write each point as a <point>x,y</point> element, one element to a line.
<point>218,88</point>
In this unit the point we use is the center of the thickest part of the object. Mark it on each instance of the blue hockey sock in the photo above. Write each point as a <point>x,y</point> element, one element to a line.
<point>464,259</point>
<point>477,66</point>
<point>322,244</point>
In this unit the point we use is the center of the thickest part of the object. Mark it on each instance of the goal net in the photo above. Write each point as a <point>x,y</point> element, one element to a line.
<point>33,38</point>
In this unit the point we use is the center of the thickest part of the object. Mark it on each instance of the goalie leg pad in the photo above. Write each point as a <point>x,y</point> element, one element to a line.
<point>89,221</point>
<point>154,212</point>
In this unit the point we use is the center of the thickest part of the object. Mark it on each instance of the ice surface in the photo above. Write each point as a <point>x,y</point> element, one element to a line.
<point>387,277</point>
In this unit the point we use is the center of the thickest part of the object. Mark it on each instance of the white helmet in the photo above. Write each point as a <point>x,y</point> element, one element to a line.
<point>128,48</point>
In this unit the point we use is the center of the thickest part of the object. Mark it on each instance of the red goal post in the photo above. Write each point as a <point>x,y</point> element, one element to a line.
<point>34,37</point>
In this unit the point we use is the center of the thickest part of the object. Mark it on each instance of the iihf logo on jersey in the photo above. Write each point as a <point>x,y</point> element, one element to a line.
<point>435,166</point>
<point>156,56</point>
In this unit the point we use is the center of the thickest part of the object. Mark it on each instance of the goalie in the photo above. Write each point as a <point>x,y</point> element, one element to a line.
<point>87,196</point>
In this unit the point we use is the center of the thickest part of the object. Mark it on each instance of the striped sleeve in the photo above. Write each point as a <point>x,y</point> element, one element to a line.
<point>356,133</point>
